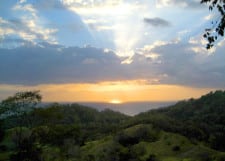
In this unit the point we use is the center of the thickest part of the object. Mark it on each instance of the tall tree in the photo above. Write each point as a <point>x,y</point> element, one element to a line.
<point>20,103</point>
<point>218,25</point>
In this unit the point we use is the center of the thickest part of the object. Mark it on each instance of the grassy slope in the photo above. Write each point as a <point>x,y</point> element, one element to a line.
<point>162,149</point>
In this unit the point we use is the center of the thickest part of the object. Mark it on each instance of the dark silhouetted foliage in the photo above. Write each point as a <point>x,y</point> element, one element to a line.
<point>218,25</point>
<point>2,132</point>
<point>176,148</point>
<point>152,157</point>
<point>139,133</point>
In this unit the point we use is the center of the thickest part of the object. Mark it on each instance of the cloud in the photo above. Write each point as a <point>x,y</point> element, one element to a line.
<point>27,25</point>
<point>8,42</point>
<point>173,63</point>
<point>104,7</point>
<point>113,24</point>
<point>55,64</point>
<point>178,63</point>
<point>185,4</point>
<point>182,65</point>
<point>99,25</point>
<point>50,4</point>
<point>91,3</point>
<point>209,17</point>
<point>199,45</point>
<point>157,22</point>
<point>26,7</point>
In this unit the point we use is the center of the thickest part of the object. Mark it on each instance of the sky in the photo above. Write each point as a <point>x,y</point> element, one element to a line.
<point>108,50</point>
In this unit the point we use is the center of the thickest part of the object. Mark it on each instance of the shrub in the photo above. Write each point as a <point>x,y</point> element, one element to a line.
<point>176,148</point>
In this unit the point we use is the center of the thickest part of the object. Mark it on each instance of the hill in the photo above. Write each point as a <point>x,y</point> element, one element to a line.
<point>202,119</point>
<point>191,130</point>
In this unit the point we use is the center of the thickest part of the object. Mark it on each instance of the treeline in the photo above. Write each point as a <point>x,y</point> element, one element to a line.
<point>200,119</point>
<point>31,128</point>
<point>60,119</point>
<point>73,132</point>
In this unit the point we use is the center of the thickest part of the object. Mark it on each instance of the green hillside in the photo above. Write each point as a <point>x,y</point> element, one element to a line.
<point>191,130</point>
<point>202,119</point>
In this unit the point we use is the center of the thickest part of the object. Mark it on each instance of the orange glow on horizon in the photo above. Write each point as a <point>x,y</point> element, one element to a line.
<point>122,91</point>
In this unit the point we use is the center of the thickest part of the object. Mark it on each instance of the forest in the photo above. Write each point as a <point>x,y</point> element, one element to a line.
<point>190,130</point>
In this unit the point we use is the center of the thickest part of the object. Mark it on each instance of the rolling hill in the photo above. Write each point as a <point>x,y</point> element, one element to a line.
<point>191,130</point>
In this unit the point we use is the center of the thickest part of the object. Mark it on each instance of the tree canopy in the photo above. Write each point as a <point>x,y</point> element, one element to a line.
<point>218,25</point>
<point>20,102</point>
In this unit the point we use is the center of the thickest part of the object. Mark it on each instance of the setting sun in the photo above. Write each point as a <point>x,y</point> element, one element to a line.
<point>115,101</point>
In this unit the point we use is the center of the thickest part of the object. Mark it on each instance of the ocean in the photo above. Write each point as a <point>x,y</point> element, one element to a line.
<point>129,108</point>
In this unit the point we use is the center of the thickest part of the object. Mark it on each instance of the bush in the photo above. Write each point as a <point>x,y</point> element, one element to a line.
<point>176,148</point>
<point>136,134</point>
<point>3,148</point>
<point>152,157</point>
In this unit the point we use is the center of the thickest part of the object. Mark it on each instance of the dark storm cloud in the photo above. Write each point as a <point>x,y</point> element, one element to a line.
<point>184,67</point>
<point>177,64</point>
<point>157,22</point>
<point>55,64</point>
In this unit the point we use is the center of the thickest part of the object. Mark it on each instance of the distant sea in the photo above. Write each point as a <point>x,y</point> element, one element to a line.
<point>129,108</point>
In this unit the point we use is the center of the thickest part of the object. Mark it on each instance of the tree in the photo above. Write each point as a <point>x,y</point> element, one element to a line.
<point>217,29</point>
<point>20,103</point>
<point>2,132</point>
<point>27,148</point>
